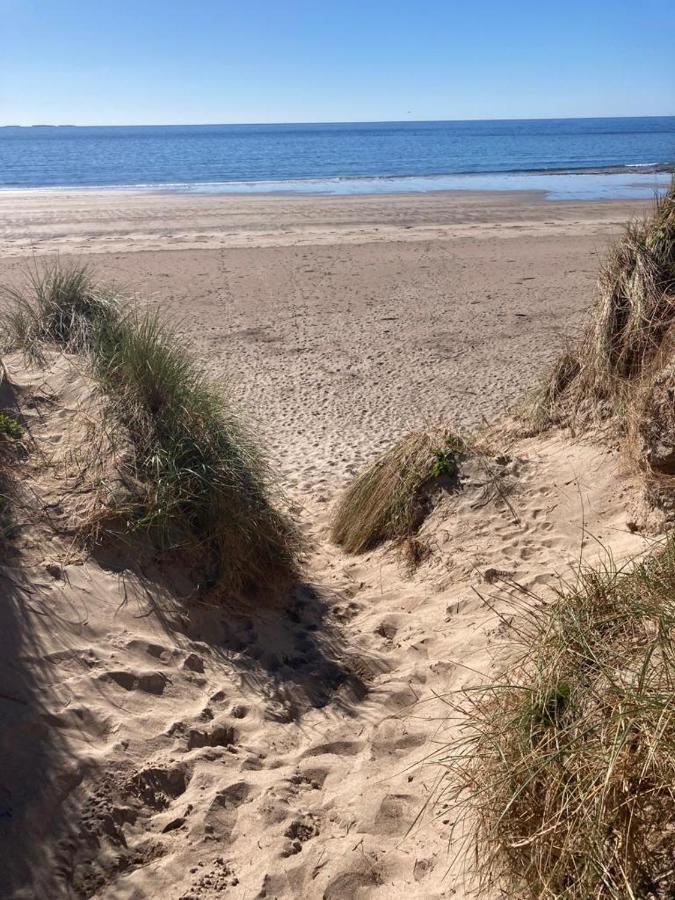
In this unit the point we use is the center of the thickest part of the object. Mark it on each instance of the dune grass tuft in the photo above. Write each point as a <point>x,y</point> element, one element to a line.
<point>197,481</point>
<point>631,332</point>
<point>387,500</point>
<point>543,408</point>
<point>565,768</point>
<point>60,304</point>
<point>206,485</point>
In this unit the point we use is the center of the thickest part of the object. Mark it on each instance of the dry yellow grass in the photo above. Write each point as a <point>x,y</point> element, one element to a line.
<point>564,774</point>
<point>199,482</point>
<point>630,336</point>
<point>388,500</point>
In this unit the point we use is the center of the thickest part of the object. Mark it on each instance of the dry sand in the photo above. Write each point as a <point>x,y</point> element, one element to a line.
<point>341,322</point>
<point>148,752</point>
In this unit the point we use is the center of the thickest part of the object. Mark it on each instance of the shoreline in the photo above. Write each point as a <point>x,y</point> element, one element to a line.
<point>591,184</point>
<point>93,221</point>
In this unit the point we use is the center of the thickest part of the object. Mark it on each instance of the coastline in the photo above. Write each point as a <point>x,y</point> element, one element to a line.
<point>85,222</point>
<point>614,183</point>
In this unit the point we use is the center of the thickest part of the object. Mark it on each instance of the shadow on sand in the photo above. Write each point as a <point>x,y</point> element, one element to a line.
<point>37,775</point>
<point>292,651</point>
<point>293,655</point>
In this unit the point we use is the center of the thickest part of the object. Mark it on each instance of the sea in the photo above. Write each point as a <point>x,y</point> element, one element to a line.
<point>564,158</point>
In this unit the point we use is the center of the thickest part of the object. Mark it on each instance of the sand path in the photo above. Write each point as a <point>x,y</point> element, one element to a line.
<point>275,753</point>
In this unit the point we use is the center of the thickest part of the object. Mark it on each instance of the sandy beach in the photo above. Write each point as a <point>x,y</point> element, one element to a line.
<point>279,753</point>
<point>337,451</point>
<point>341,322</point>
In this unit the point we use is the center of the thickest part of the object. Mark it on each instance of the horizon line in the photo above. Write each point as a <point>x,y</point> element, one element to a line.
<point>324,122</point>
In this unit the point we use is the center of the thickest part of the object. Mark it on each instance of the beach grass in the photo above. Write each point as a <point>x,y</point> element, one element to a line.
<point>197,480</point>
<point>58,304</point>
<point>564,772</point>
<point>206,483</point>
<point>630,337</point>
<point>388,500</point>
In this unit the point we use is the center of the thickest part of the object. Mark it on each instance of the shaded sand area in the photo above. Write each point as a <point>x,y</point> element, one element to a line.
<point>158,748</point>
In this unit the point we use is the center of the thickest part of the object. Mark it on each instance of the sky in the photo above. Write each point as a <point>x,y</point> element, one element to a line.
<point>89,62</point>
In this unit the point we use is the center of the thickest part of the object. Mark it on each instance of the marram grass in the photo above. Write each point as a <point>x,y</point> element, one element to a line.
<point>563,775</point>
<point>198,481</point>
<point>630,335</point>
<point>59,304</point>
<point>206,484</point>
<point>386,501</point>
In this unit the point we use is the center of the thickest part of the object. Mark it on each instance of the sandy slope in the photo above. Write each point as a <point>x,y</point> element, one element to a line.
<point>155,748</point>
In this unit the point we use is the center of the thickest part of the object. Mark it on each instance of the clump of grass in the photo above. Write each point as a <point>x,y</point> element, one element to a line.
<point>387,500</point>
<point>9,427</point>
<point>565,772</point>
<point>637,290</point>
<point>60,305</point>
<point>631,331</point>
<point>205,485</point>
<point>543,410</point>
<point>197,480</point>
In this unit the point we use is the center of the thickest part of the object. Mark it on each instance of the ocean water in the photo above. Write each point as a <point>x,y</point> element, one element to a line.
<point>563,157</point>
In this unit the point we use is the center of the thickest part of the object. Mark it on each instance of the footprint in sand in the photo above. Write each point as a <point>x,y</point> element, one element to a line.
<point>387,629</point>
<point>157,651</point>
<point>422,868</point>
<point>193,663</point>
<point>394,815</point>
<point>399,699</point>
<point>392,738</point>
<point>298,832</point>
<point>336,748</point>
<point>158,787</point>
<point>221,816</point>
<point>149,682</point>
<point>311,779</point>
<point>344,613</point>
<point>349,885</point>
<point>221,735</point>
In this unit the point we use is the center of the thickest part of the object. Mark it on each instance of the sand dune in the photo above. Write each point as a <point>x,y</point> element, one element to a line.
<point>154,747</point>
<point>186,751</point>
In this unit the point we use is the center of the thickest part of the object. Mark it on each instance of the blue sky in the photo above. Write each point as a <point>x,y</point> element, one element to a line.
<point>163,61</point>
